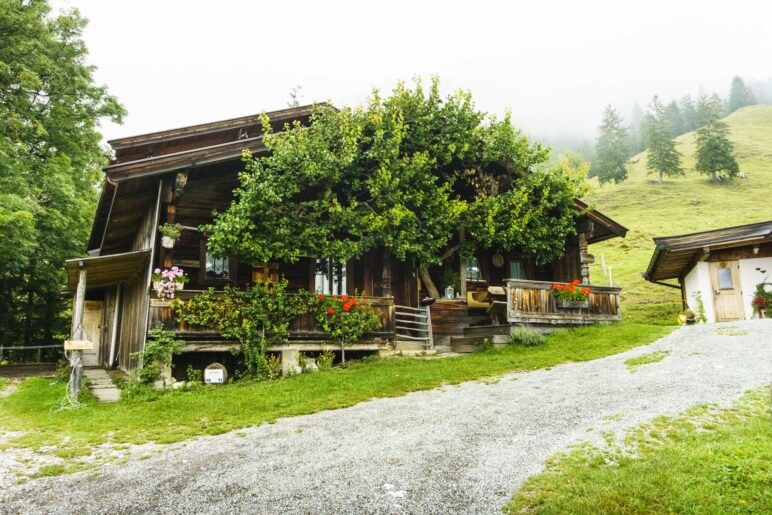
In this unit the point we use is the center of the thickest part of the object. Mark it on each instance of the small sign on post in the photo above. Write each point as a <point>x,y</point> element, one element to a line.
<point>78,345</point>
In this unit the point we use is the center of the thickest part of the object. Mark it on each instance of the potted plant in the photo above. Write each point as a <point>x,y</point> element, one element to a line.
<point>168,281</point>
<point>169,234</point>
<point>762,300</point>
<point>570,295</point>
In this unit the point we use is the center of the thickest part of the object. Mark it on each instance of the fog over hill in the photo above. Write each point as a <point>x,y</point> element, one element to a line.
<point>555,64</point>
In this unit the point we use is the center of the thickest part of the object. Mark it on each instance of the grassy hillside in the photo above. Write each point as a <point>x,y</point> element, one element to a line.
<point>685,204</point>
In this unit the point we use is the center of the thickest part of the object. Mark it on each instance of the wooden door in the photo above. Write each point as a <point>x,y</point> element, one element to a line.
<point>727,296</point>
<point>92,324</point>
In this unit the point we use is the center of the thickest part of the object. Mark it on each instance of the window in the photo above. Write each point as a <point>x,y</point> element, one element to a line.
<point>215,269</point>
<point>516,269</point>
<point>725,278</point>
<point>473,269</point>
<point>330,276</point>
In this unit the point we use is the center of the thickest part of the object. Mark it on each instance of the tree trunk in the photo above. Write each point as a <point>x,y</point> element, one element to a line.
<point>714,177</point>
<point>342,355</point>
<point>661,178</point>
<point>423,272</point>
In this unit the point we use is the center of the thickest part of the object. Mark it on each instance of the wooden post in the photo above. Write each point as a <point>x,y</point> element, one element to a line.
<point>76,358</point>
<point>386,274</point>
<point>462,269</point>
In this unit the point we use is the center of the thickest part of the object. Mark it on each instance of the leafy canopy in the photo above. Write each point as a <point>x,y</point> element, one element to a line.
<point>406,173</point>
<point>49,161</point>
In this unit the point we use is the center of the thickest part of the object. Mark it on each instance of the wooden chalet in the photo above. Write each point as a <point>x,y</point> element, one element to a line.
<point>181,175</point>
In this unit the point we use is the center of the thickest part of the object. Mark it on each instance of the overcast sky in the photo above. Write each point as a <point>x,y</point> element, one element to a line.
<point>554,64</point>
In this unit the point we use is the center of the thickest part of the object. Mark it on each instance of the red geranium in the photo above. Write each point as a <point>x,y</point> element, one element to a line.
<point>570,291</point>
<point>320,296</point>
<point>330,311</point>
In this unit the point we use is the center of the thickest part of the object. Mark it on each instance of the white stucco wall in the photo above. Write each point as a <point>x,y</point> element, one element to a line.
<point>750,277</point>
<point>698,279</point>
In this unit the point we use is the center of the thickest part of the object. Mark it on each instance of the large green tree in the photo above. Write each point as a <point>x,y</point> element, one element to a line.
<point>612,149</point>
<point>49,162</point>
<point>662,156</point>
<point>740,95</point>
<point>420,175</point>
<point>715,152</point>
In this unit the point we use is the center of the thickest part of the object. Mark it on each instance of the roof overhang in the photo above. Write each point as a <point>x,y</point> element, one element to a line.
<point>103,271</point>
<point>606,227</point>
<point>674,256</point>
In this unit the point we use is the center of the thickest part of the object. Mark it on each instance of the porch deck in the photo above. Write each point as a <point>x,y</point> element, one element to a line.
<point>530,303</point>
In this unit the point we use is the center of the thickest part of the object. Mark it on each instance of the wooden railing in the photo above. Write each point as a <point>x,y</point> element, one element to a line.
<point>532,302</point>
<point>304,327</point>
<point>414,324</point>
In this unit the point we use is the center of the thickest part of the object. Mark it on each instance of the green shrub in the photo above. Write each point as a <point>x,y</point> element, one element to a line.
<point>324,359</point>
<point>160,347</point>
<point>525,336</point>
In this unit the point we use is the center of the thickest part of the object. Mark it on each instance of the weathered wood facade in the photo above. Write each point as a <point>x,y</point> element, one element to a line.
<point>180,176</point>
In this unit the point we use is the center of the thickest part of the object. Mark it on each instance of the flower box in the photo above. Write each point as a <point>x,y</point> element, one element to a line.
<point>572,304</point>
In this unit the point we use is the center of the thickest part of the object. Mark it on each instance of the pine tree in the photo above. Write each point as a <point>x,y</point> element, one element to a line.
<point>715,153</point>
<point>709,108</point>
<point>636,132</point>
<point>662,157</point>
<point>740,95</point>
<point>674,120</point>
<point>688,112</point>
<point>612,148</point>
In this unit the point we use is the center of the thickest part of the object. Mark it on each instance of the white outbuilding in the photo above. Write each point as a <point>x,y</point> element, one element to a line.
<point>722,267</point>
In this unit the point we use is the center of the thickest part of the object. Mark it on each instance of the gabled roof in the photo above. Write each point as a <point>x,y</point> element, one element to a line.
<point>605,227</point>
<point>208,128</point>
<point>674,256</point>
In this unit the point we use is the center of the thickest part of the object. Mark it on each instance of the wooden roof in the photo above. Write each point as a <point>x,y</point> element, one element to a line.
<point>194,137</point>
<point>605,227</point>
<point>107,270</point>
<point>674,256</point>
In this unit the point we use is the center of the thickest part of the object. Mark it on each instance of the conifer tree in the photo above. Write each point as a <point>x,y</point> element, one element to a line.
<point>612,148</point>
<point>740,95</point>
<point>715,153</point>
<point>662,157</point>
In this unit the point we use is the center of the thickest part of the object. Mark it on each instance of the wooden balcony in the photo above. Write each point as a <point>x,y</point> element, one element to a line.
<point>305,333</point>
<point>530,303</point>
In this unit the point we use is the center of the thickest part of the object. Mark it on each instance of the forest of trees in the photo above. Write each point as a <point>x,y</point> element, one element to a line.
<point>50,159</point>
<point>656,129</point>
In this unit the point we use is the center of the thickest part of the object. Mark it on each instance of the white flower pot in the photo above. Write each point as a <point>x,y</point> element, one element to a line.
<point>179,286</point>
<point>167,242</point>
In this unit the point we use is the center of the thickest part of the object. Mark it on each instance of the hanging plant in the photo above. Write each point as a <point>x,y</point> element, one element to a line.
<point>168,281</point>
<point>169,234</point>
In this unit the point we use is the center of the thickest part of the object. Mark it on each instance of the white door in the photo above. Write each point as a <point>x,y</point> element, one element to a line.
<point>92,324</point>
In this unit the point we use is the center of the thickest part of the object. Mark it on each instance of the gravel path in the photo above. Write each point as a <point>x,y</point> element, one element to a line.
<point>459,449</point>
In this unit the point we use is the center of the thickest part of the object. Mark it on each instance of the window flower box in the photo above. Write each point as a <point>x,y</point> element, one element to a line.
<point>572,304</point>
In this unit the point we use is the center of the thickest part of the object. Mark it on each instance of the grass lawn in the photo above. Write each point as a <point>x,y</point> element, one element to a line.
<point>212,410</point>
<point>705,461</point>
<point>681,205</point>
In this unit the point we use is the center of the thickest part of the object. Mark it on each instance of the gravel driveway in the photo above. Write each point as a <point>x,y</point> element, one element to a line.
<point>457,449</point>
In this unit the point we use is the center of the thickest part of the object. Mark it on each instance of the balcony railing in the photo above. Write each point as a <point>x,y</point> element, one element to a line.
<point>530,302</point>
<point>303,328</point>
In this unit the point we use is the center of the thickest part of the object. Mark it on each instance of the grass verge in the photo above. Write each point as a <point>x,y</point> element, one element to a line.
<point>708,460</point>
<point>637,362</point>
<point>213,410</point>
